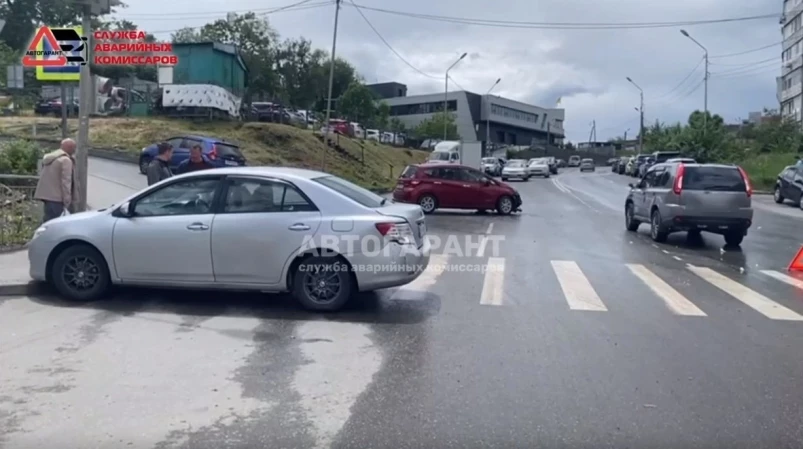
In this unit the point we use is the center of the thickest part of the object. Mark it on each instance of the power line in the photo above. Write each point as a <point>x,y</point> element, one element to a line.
<point>682,82</point>
<point>749,72</point>
<point>209,14</point>
<point>390,47</point>
<point>745,64</point>
<point>564,25</point>
<point>755,65</point>
<point>288,8</point>
<point>728,55</point>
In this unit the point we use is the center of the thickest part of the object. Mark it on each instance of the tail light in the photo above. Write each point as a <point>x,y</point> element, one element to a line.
<point>747,185</point>
<point>400,233</point>
<point>678,186</point>
<point>213,153</point>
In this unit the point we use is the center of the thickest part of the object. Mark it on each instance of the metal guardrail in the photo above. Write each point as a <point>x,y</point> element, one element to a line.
<point>20,214</point>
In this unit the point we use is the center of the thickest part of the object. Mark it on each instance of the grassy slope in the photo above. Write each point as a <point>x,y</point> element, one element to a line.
<point>763,169</point>
<point>262,143</point>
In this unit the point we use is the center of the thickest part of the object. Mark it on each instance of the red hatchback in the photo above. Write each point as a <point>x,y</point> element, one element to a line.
<point>448,186</point>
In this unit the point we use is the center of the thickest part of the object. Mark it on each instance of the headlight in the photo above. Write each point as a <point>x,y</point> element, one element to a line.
<point>39,231</point>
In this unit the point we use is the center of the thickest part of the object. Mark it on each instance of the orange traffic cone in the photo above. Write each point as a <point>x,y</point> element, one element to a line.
<point>797,262</point>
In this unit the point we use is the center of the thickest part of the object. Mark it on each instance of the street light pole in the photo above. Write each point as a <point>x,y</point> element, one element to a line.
<point>641,116</point>
<point>488,115</point>
<point>331,85</point>
<point>446,97</point>
<point>705,79</point>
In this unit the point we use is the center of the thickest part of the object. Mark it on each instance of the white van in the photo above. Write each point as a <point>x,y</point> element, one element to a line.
<point>446,152</point>
<point>359,132</point>
<point>372,134</point>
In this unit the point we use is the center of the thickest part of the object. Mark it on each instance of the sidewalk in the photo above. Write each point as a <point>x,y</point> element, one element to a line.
<point>14,278</point>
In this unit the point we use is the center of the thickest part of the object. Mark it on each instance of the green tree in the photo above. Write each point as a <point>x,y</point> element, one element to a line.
<point>396,126</point>
<point>382,117</point>
<point>344,76</point>
<point>432,128</point>
<point>296,62</point>
<point>357,103</point>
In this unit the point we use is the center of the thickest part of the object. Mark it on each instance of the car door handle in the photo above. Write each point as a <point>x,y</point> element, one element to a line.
<point>299,227</point>
<point>198,227</point>
<point>438,183</point>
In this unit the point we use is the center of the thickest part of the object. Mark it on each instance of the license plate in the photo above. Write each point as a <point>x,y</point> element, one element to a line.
<point>228,162</point>
<point>422,229</point>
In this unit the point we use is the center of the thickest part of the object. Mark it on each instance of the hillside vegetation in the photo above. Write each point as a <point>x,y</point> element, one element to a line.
<point>367,163</point>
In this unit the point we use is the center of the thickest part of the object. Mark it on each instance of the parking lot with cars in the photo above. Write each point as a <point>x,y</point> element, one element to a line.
<point>555,314</point>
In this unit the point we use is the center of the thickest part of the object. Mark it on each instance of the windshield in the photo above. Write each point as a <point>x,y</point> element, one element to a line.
<point>489,160</point>
<point>722,179</point>
<point>574,158</point>
<point>352,191</point>
<point>515,164</point>
<point>439,156</point>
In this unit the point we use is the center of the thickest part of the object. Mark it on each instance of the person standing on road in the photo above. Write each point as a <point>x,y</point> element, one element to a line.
<point>159,168</point>
<point>56,188</point>
<point>196,162</point>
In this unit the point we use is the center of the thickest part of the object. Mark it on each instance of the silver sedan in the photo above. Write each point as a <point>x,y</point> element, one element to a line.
<point>248,228</point>
<point>538,167</point>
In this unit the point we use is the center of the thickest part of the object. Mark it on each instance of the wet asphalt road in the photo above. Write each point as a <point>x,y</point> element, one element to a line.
<point>460,359</point>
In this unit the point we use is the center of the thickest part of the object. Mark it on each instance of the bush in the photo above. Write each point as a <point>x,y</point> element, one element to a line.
<point>19,157</point>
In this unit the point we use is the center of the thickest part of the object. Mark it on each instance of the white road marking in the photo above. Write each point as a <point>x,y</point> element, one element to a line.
<point>665,251</point>
<point>750,298</point>
<point>576,288</point>
<point>568,190</point>
<point>341,361</point>
<point>784,278</point>
<point>677,258</point>
<point>493,288</point>
<point>490,229</point>
<point>413,290</point>
<point>483,245</point>
<point>676,302</point>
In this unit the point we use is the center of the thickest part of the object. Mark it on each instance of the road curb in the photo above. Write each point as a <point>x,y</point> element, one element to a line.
<point>25,289</point>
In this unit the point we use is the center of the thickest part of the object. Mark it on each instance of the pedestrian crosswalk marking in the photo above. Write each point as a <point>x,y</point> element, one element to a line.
<point>493,289</point>
<point>676,302</point>
<point>750,298</point>
<point>576,288</point>
<point>423,283</point>
<point>784,278</point>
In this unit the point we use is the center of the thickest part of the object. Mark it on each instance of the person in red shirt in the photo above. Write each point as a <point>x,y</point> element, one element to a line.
<point>196,162</point>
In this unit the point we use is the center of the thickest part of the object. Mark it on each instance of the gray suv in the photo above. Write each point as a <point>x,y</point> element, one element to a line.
<point>676,197</point>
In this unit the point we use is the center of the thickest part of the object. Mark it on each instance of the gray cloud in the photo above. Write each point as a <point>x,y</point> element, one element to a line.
<point>585,67</point>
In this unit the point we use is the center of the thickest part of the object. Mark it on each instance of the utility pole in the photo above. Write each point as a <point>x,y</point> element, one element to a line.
<point>446,98</point>
<point>641,115</point>
<point>548,137</point>
<point>331,85</point>
<point>84,107</point>
<point>705,79</point>
<point>488,115</point>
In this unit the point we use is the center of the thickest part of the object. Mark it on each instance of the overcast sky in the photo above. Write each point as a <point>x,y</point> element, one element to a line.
<point>587,68</point>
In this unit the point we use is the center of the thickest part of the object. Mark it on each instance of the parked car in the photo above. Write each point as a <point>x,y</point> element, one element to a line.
<point>217,151</point>
<point>561,163</point>
<point>610,162</point>
<point>681,160</point>
<point>338,126</point>
<point>516,169</point>
<point>539,167</point>
<point>663,156</point>
<point>491,166</point>
<point>372,134</point>
<point>53,107</point>
<point>789,186</point>
<point>254,228</point>
<point>454,187</point>
<point>587,164</point>
<point>574,161</point>
<point>692,198</point>
<point>553,165</point>
<point>644,166</point>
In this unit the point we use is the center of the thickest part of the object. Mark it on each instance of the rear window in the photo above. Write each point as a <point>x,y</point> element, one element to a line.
<point>720,179</point>
<point>642,157</point>
<point>663,157</point>
<point>587,161</point>
<point>409,172</point>
<point>227,149</point>
<point>352,191</point>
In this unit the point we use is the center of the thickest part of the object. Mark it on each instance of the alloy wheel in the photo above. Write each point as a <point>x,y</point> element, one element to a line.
<point>323,284</point>
<point>81,273</point>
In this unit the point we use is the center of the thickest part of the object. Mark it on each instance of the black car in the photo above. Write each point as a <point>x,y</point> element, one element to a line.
<point>53,107</point>
<point>789,185</point>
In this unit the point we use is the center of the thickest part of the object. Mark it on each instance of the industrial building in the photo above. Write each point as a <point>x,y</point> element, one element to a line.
<point>479,118</point>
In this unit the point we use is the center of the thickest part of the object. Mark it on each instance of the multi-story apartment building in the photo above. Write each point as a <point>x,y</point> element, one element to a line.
<point>790,82</point>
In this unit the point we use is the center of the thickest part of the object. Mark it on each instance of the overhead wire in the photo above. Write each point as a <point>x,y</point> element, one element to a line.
<point>682,82</point>
<point>740,53</point>
<point>563,25</point>
<point>211,14</point>
<point>749,67</point>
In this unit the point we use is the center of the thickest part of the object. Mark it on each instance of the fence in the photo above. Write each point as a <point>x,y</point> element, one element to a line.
<point>20,214</point>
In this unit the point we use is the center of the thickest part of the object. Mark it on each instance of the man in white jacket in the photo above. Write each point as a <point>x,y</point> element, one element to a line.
<point>57,188</point>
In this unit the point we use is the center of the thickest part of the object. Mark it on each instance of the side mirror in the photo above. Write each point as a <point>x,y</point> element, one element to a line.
<point>125,210</point>
<point>632,186</point>
<point>487,182</point>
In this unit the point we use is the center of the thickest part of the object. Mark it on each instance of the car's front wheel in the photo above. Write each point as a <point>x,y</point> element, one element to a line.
<point>631,223</point>
<point>80,273</point>
<point>504,205</point>
<point>323,284</point>
<point>776,195</point>
<point>428,203</point>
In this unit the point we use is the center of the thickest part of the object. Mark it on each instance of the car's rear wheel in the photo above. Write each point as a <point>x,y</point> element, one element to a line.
<point>504,205</point>
<point>144,161</point>
<point>631,223</point>
<point>428,203</point>
<point>734,238</point>
<point>80,273</point>
<point>657,231</point>
<point>323,284</point>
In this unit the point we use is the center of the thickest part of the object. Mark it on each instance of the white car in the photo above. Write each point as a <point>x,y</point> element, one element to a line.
<point>516,169</point>
<point>246,228</point>
<point>538,167</point>
<point>372,134</point>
